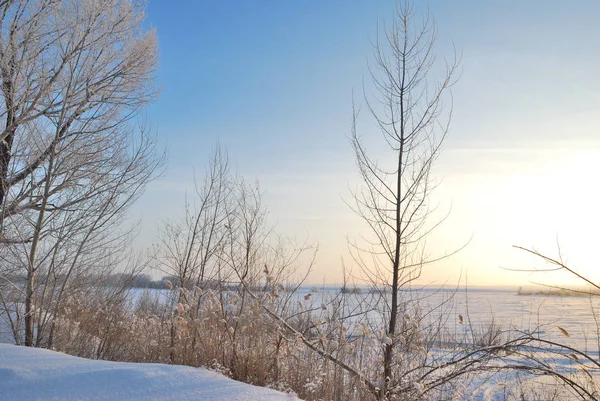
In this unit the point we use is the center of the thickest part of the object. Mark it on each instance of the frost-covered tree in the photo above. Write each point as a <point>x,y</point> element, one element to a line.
<point>74,77</point>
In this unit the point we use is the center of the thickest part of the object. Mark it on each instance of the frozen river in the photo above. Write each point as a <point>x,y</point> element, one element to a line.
<point>477,307</point>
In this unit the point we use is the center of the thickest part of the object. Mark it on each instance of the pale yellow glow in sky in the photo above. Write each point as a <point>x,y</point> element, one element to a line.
<point>531,197</point>
<point>535,198</point>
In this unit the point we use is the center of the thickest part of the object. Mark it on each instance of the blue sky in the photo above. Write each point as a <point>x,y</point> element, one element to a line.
<point>273,82</point>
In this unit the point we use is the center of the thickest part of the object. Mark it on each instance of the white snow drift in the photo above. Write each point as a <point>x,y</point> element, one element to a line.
<point>38,374</point>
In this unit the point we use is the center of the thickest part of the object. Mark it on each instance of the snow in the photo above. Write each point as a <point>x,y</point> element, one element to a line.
<point>39,374</point>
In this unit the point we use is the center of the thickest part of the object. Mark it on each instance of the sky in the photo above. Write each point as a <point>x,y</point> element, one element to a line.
<point>273,82</point>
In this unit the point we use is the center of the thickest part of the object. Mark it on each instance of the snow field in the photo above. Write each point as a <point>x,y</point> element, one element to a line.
<point>38,374</point>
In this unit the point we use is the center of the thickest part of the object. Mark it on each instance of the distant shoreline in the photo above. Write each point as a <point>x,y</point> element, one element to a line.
<point>560,292</point>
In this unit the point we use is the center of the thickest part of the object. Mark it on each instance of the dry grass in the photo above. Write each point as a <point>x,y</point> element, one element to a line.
<point>226,331</point>
<point>229,331</point>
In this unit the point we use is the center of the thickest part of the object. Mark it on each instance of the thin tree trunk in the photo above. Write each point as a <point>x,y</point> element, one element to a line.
<point>6,140</point>
<point>30,287</point>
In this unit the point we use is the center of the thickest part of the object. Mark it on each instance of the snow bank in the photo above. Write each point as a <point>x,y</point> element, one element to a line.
<point>38,374</point>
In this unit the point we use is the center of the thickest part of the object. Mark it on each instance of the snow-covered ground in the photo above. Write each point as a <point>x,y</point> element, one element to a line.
<point>27,374</point>
<point>38,374</point>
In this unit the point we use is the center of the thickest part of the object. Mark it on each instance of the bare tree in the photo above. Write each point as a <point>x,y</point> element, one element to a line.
<point>191,249</point>
<point>74,76</point>
<point>249,234</point>
<point>225,247</point>
<point>408,110</point>
<point>224,236</point>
